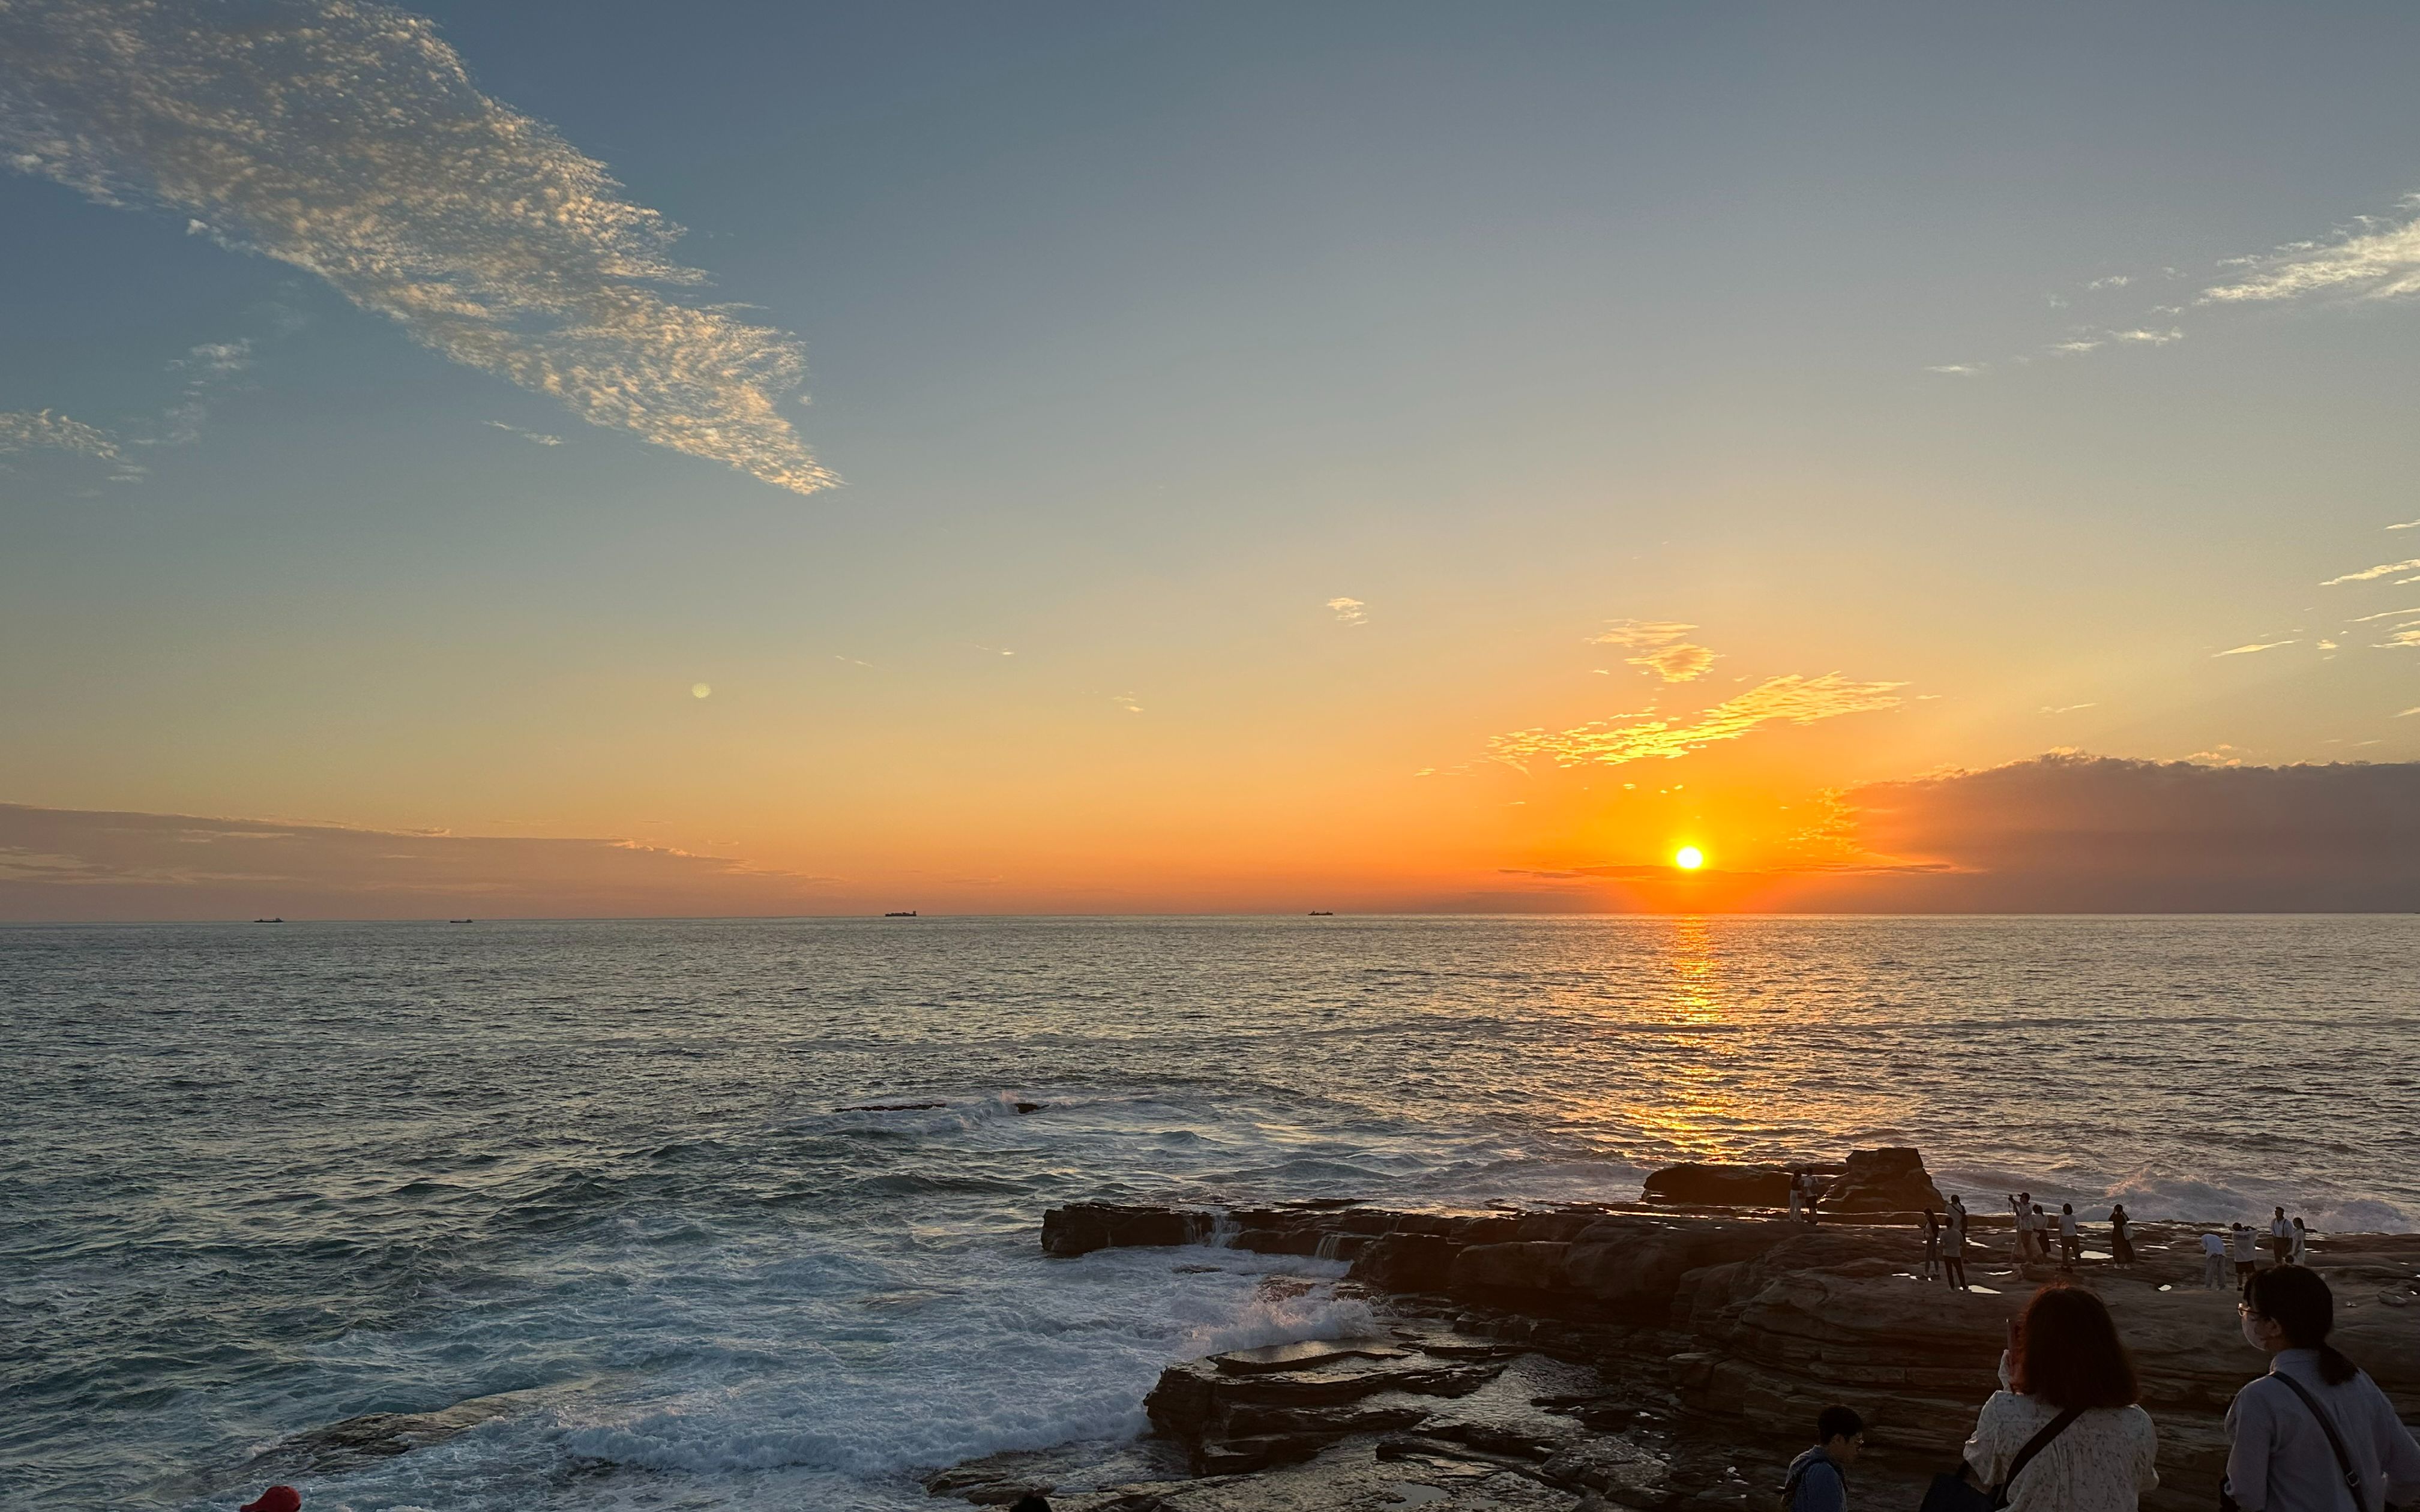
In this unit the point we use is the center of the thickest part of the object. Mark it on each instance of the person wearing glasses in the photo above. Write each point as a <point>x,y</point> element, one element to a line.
<point>2314,1434</point>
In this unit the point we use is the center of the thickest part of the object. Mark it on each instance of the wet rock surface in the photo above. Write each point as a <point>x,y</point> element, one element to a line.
<point>1631,1355</point>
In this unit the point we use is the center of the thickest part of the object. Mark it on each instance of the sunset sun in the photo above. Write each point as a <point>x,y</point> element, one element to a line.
<point>1688,858</point>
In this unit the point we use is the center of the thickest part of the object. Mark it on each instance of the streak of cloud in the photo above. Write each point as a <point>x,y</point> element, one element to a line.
<point>2257,646</point>
<point>348,140</point>
<point>2378,257</point>
<point>1349,610</point>
<point>1957,369</point>
<point>535,438</point>
<point>1789,699</point>
<point>2368,574</point>
<point>58,863</point>
<point>46,430</point>
<point>1662,648</point>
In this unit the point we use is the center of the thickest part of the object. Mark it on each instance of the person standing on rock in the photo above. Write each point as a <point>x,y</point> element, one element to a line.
<point>2315,1432</point>
<point>1953,1252</point>
<point>2070,1237</point>
<point>1818,1482</point>
<point>2281,1238</point>
<point>2247,1256</point>
<point>2213,1260</point>
<point>2301,1241</point>
<point>1931,1245</point>
<point>2029,1240</point>
<point>1797,1192</point>
<point>2121,1246</point>
<point>2070,1397</point>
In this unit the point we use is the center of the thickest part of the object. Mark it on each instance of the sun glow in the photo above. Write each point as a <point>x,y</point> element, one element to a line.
<point>1688,858</point>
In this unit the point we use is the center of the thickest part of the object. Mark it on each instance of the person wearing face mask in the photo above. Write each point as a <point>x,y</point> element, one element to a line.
<point>2314,1434</point>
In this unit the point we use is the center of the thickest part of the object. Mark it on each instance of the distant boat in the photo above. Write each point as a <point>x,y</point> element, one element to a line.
<point>268,921</point>
<point>1323,912</point>
<point>901,913</point>
<point>461,921</point>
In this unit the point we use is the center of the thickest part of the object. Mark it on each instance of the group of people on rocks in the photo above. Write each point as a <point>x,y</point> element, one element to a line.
<point>1946,1236</point>
<point>2288,1242</point>
<point>2066,1431</point>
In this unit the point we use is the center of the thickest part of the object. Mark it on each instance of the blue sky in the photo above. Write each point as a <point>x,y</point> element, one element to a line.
<point>1138,333</point>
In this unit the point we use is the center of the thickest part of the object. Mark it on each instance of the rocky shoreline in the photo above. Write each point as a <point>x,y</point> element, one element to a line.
<point>1661,1354</point>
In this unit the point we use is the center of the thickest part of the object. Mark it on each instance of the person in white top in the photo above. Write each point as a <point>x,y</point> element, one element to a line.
<point>1797,1190</point>
<point>2022,1206</point>
<point>2247,1254</point>
<point>2301,1241</point>
<point>2213,1261</point>
<point>2071,1238</point>
<point>2065,1366</point>
<point>2282,1454</point>
<point>2281,1238</point>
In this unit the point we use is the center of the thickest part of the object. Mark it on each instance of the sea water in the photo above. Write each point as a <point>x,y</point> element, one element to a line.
<point>254,1179</point>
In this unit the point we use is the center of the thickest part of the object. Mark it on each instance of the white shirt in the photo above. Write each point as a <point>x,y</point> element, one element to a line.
<point>2279,1228</point>
<point>2248,1244</point>
<point>2102,1463</point>
<point>2213,1245</point>
<point>2067,1224</point>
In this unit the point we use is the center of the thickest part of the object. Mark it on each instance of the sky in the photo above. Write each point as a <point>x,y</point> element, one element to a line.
<point>1061,458</point>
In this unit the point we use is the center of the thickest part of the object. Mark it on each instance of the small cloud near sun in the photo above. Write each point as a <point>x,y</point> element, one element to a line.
<point>1126,701</point>
<point>1349,610</point>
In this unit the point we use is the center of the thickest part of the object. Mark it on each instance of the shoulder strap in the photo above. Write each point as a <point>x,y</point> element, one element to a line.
<point>2328,1425</point>
<point>2034,1445</point>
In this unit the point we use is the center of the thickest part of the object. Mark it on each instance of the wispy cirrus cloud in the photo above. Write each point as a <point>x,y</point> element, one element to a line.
<point>45,430</point>
<point>2376,258</point>
<point>1789,699</point>
<point>2257,646</point>
<point>2387,569</point>
<point>1349,610</point>
<point>348,141</point>
<point>1661,646</point>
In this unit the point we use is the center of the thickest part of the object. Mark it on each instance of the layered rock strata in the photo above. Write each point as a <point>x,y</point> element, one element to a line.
<point>1723,1334</point>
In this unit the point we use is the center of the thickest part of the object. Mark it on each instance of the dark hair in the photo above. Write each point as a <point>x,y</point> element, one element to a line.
<point>1031,1502</point>
<point>1837,1422</point>
<point>2068,1354</point>
<point>2296,1300</point>
<point>2067,1207</point>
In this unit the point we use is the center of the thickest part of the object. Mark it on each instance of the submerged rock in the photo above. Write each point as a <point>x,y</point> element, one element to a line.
<point>1082,1227</point>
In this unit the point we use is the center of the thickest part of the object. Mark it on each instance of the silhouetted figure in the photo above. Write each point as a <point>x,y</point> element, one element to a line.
<point>1953,1251</point>
<point>2070,1397</point>
<point>1818,1480</point>
<point>2121,1246</point>
<point>2281,1238</point>
<point>1931,1245</point>
<point>2314,1430</point>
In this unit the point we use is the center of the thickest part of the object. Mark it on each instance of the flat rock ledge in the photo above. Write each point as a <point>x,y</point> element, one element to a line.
<point>1643,1357</point>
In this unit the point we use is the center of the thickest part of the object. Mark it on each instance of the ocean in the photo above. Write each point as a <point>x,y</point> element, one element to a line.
<point>256,1178</point>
